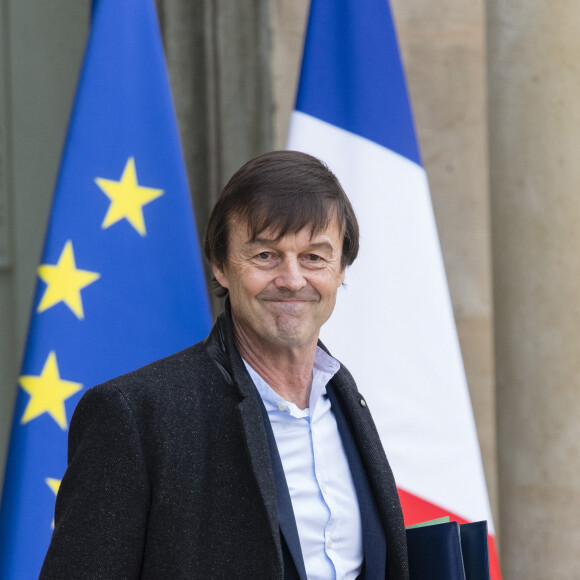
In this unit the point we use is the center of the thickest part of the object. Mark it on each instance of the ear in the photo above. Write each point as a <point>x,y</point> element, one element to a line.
<point>341,277</point>
<point>220,275</point>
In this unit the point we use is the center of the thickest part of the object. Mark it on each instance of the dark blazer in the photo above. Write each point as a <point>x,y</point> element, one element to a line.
<point>169,474</point>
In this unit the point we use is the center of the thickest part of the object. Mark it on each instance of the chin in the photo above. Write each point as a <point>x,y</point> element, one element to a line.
<point>293,337</point>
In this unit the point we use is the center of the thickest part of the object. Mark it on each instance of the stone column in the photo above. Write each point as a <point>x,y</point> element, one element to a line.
<point>534,129</point>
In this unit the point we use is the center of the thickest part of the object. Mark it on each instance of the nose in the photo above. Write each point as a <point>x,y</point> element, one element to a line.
<point>290,275</point>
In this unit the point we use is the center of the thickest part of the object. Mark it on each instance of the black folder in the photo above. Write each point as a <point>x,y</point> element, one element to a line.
<point>475,550</point>
<point>448,551</point>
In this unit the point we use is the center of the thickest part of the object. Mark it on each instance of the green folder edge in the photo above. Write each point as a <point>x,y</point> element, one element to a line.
<point>443,520</point>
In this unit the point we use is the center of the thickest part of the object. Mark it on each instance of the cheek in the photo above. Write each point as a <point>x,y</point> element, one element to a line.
<point>327,290</point>
<point>333,282</point>
<point>256,280</point>
<point>247,284</point>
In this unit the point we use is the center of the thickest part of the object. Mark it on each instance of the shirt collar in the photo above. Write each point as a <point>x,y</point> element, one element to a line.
<point>324,368</point>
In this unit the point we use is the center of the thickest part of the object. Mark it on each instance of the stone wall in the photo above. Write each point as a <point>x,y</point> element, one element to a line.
<point>534,129</point>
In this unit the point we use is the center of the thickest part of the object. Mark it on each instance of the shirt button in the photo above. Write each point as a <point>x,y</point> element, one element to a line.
<point>323,487</point>
<point>363,403</point>
<point>282,406</point>
<point>329,543</point>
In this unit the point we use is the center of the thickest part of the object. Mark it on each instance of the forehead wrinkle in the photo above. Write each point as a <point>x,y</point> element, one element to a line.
<point>280,230</point>
<point>266,216</point>
<point>312,245</point>
<point>273,232</point>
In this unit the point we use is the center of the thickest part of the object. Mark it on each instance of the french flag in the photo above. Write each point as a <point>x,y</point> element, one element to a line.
<point>393,325</point>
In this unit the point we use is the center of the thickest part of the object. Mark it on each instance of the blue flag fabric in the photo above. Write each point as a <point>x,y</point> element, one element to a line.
<point>121,281</point>
<point>350,53</point>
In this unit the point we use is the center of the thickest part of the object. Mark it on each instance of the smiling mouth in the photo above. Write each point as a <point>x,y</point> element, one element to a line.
<point>290,306</point>
<point>289,301</point>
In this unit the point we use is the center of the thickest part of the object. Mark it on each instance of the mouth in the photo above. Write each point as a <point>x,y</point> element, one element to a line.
<point>287,300</point>
<point>287,305</point>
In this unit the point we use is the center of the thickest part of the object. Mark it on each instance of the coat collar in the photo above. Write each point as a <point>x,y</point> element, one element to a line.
<point>221,347</point>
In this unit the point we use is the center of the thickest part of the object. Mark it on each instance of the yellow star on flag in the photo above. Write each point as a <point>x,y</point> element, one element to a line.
<point>48,392</point>
<point>127,198</point>
<point>65,282</point>
<point>54,485</point>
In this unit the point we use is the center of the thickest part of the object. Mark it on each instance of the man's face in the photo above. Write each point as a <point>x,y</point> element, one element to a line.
<point>282,291</point>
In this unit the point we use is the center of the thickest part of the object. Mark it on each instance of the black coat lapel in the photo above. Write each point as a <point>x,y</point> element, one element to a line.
<point>378,471</point>
<point>221,347</point>
<point>374,542</point>
<point>293,560</point>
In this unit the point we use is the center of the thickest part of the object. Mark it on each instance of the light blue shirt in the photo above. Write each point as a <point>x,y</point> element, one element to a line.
<point>321,488</point>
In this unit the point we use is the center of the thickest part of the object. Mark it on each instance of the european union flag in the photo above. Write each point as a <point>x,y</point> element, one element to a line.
<point>121,281</point>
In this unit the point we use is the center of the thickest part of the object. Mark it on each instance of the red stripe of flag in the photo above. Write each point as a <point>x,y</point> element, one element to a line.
<point>417,510</point>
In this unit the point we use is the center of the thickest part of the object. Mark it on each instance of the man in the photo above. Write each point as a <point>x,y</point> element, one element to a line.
<point>250,454</point>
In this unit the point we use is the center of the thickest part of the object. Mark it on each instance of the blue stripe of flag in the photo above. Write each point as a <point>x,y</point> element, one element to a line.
<point>352,76</point>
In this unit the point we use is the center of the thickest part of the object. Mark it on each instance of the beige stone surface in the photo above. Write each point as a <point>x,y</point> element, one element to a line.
<point>288,20</point>
<point>443,49</point>
<point>534,51</point>
<point>475,338</point>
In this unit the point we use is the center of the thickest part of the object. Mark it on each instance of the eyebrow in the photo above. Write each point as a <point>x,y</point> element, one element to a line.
<point>313,246</point>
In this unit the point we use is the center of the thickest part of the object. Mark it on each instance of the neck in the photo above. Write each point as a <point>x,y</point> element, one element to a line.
<point>287,370</point>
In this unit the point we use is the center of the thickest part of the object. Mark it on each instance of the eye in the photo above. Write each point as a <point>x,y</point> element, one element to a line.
<point>313,261</point>
<point>265,259</point>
